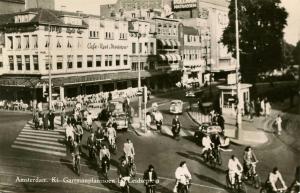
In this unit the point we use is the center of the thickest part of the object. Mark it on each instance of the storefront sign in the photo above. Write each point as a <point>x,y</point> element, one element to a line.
<point>184,4</point>
<point>102,46</point>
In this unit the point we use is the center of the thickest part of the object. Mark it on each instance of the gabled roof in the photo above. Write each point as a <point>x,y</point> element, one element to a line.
<point>190,30</point>
<point>43,16</point>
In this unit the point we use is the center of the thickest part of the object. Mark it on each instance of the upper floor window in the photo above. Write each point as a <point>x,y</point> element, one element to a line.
<point>70,42</point>
<point>59,42</point>
<point>59,62</point>
<point>35,62</point>
<point>133,15</point>
<point>80,42</point>
<point>48,62</point>
<point>18,39</point>
<point>26,41</point>
<point>35,41</point>
<point>47,43</point>
<point>109,35</point>
<point>11,62</point>
<point>98,60</point>
<point>125,60</point>
<point>90,61</point>
<point>27,62</point>
<point>70,61</point>
<point>10,42</point>
<point>133,48</point>
<point>79,61</point>
<point>19,62</point>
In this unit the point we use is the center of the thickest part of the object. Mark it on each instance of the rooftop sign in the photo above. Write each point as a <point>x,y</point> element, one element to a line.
<point>184,4</point>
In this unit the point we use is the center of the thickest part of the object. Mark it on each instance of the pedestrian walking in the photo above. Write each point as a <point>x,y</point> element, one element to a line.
<point>257,107</point>
<point>51,117</point>
<point>252,110</point>
<point>221,121</point>
<point>62,117</point>
<point>278,123</point>
<point>268,108</point>
<point>45,120</point>
<point>262,107</point>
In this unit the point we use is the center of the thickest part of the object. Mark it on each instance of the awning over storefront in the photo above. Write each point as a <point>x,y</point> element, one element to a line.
<point>169,43</point>
<point>170,57</point>
<point>163,57</point>
<point>177,57</point>
<point>175,43</point>
<point>19,81</point>
<point>163,42</point>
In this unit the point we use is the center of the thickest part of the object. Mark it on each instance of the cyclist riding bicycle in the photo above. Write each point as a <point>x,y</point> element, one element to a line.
<point>182,175</point>
<point>274,176</point>
<point>124,175</point>
<point>69,130</point>
<point>250,161</point>
<point>91,144</point>
<point>150,179</point>
<point>99,137</point>
<point>104,155</point>
<point>207,144</point>
<point>111,134</point>
<point>128,150</point>
<point>234,168</point>
<point>75,151</point>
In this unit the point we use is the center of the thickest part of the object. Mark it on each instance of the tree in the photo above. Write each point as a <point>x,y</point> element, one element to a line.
<point>261,24</point>
<point>296,53</point>
<point>288,56</point>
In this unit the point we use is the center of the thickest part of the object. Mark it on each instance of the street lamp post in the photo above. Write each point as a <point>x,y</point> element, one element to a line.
<point>139,76</point>
<point>238,84</point>
<point>49,71</point>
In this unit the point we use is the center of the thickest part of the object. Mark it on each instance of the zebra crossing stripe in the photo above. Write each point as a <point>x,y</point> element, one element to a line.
<point>40,141</point>
<point>41,134</point>
<point>42,131</point>
<point>39,150</point>
<point>40,145</point>
<point>38,137</point>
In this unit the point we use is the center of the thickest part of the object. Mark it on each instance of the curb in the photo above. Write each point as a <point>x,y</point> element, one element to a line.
<point>192,118</point>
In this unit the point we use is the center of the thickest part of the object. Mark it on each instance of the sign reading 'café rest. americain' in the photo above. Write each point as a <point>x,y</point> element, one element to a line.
<point>103,46</point>
<point>184,4</point>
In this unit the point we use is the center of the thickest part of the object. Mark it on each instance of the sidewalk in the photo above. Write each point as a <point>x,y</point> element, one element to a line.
<point>252,131</point>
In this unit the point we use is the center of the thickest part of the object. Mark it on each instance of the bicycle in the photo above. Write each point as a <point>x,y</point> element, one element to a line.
<point>294,188</point>
<point>132,166</point>
<point>183,187</point>
<point>112,145</point>
<point>268,189</point>
<point>124,184</point>
<point>151,188</point>
<point>77,165</point>
<point>105,167</point>
<point>214,157</point>
<point>251,177</point>
<point>237,186</point>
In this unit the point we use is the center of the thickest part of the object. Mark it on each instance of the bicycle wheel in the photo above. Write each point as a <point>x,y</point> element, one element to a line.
<point>257,181</point>
<point>78,167</point>
<point>213,162</point>
<point>263,190</point>
<point>242,188</point>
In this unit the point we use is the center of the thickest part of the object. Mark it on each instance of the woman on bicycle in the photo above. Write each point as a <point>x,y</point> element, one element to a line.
<point>250,161</point>
<point>124,176</point>
<point>150,179</point>
<point>104,155</point>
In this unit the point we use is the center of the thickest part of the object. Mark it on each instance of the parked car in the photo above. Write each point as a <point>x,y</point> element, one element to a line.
<point>95,109</point>
<point>176,106</point>
<point>122,121</point>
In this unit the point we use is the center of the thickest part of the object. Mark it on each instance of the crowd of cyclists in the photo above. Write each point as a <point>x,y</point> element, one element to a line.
<point>102,143</point>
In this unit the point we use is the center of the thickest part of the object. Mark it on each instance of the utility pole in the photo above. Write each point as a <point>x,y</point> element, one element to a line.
<point>49,71</point>
<point>238,84</point>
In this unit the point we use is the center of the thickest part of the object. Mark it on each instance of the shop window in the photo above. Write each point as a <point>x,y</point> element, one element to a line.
<point>59,62</point>
<point>90,61</point>
<point>11,62</point>
<point>27,62</point>
<point>35,62</point>
<point>98,61</point>
<point>79,61</point>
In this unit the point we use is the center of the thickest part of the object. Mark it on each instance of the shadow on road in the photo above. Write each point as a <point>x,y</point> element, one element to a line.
<point>211,181</point>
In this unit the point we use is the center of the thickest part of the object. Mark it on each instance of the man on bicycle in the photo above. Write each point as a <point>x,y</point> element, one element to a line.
<point>89,121</point>
<point>111,134</point>
<point>91,144</point>
<point>250,161</point>
<point>104,155</point>
<point>99,137</point>
<point>234,168</point>
<point>207,144</point>
<point>75,151</point>
<point>128,150</point>
<point>182,175</point>
<point>124,175</point>
<point>150,179</point>
<point>274,176</point>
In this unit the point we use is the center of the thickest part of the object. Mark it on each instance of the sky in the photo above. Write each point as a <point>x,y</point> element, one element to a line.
<point>292,30</point>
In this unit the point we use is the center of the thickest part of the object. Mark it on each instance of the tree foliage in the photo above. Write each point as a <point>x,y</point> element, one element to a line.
<point>296,53</point>
<point>288,51</point>
<point>261,24</point>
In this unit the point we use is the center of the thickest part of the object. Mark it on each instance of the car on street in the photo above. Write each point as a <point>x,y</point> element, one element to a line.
<point>209,129</point>
<point>95,109</point>
<point>176,107</point>
<point>122,121</point>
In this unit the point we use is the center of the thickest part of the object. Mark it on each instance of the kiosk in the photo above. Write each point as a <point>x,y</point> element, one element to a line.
<point>228,98</point>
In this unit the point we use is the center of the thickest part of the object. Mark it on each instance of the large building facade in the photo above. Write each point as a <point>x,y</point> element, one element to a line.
<point>87,54</point>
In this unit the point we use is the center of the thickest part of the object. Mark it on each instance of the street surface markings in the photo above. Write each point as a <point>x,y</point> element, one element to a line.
<point>48,142</point>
